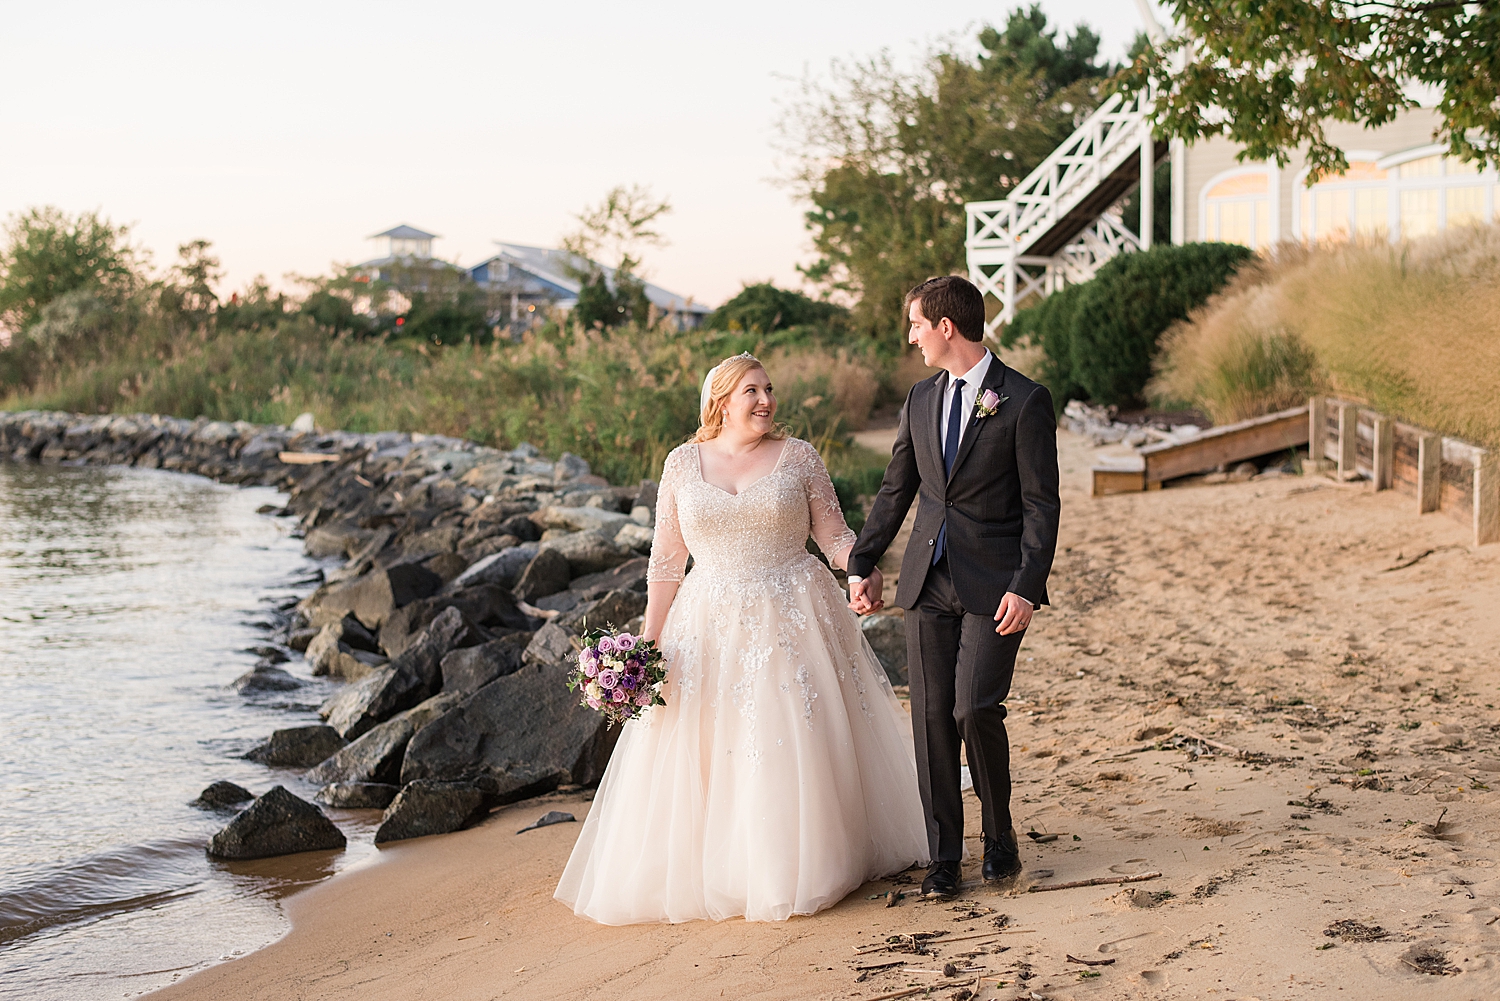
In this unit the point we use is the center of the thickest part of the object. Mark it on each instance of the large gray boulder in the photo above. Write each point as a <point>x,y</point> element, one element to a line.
<point>518,736</point>
<point>376,755</point>
<point>887,637</point>
<point>588,552</point>
<point>426,807</point>
<point>470,669</point>
<point>614,610</point>
<point>551,644</point>
<point>357,795</point>
<point>407,680</point>
<point>485,604</point>
<point>265,678</point>
<point>373,597</point>
<point>297,747</point>
<point>630,575</point>
<point>277,823</point>
<point>329,654</point>
<point>581,519</point>
<point>221,794</point>
<point>546,573</point>
<point>502,568</point>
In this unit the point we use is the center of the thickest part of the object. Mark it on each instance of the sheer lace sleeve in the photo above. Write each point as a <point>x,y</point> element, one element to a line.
<point>829,529</point>
<point>669,553</point>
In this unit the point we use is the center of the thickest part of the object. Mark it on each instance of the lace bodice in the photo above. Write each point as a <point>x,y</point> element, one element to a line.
<point>761,529</point>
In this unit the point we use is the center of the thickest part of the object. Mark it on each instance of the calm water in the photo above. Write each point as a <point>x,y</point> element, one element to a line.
<point>129,600</point>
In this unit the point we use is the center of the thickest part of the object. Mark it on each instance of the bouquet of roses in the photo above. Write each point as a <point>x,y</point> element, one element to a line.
<point>619,674</point>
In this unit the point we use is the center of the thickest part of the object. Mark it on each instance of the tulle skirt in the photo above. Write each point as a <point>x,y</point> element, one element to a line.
<point>778,778</point>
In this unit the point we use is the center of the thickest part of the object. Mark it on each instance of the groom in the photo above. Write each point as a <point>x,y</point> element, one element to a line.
<point>978,443</point>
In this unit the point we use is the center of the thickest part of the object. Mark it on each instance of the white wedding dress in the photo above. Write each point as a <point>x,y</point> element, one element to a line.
<point>780,775</point>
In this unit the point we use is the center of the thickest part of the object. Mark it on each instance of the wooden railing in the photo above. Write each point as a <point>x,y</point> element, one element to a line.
<point>1345,440</point>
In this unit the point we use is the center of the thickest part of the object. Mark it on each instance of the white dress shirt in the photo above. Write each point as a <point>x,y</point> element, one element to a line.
<point>973,379</point>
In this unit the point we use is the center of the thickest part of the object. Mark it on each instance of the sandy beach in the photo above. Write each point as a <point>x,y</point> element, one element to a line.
<point>1278,694</point>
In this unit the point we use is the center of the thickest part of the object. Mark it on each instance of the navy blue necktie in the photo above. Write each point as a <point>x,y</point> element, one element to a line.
<point>950,453</point>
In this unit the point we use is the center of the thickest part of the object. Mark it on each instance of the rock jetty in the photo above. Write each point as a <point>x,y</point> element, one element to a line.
<point>457,577</point>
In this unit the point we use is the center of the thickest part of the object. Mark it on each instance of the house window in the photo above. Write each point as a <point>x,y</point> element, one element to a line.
<point>1416,198</point>
<point>1238,210</point>
<point>1356,201</point>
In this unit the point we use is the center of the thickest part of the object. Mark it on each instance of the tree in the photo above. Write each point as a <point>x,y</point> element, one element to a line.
<point>888,158</point>
<point>765,308</point>
<point>50,253</point>
<point>188,291</point>
<point>1268,73</point>
<point>620,227</point>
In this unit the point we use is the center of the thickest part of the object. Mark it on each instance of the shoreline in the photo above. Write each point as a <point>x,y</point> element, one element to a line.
<point>1183,691</point>
<point>1234,688</point>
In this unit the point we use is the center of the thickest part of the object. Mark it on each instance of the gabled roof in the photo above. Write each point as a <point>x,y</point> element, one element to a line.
<point>405,232</point>
<point>560,268</point>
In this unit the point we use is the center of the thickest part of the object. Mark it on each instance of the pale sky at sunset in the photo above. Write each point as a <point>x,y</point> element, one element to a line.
<point>287,133</point>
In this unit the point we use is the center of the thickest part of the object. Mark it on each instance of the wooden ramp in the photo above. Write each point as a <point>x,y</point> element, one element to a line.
<point>1221,446</point>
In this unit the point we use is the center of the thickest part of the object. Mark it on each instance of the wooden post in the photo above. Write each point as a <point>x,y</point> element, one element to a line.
<point>1317,435</point>
<point>1348,437</point>
<point>1487,499</point>
<point>1429,472</point>
<point>1385,452</point>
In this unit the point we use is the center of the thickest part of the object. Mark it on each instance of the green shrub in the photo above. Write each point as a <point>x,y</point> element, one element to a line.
<point>1099,338</point>
<point>1131,302</point>
<point>1049,325</point>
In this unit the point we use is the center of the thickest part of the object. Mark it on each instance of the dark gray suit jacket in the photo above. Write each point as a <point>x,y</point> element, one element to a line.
<point>1000,505</point>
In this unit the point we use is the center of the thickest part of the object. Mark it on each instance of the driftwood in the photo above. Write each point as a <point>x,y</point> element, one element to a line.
<point>909,991</point>
<point>1091,962</point>
<point>1096,881</point>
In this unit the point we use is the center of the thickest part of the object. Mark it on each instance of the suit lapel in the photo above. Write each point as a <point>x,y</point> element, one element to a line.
<point>931,426</point>
<point>993,379</point>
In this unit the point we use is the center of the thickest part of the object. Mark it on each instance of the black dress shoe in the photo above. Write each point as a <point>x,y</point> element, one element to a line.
<point>1002,857</point>
<point>941,882</point>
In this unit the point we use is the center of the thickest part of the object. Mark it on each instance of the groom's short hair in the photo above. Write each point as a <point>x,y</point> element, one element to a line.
<point>953,297</point>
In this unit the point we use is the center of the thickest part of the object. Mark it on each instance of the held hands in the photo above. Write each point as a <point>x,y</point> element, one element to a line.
<point>1014,614</point>
<point>864,595</point>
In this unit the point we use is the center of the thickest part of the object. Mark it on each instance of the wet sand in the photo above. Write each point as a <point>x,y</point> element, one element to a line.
<point>1349,694</point>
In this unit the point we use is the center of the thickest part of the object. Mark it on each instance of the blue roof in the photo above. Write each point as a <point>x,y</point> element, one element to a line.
<point>559,268</point>
<point>405,232</point>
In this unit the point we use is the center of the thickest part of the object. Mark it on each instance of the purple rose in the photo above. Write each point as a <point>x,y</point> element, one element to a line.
<point>589,667</point>
<point>989,400</point>
<point>606,645</point>
<point>595,704</point>
<point>608,679</point>
<point>643,698</point>
<point>619,695</point>
<point>624,642</point>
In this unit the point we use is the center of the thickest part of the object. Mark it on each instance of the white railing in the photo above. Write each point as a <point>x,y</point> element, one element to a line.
<point>999,233</point>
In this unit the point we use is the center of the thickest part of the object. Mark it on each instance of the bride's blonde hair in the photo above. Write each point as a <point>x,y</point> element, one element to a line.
<point>720,385</point>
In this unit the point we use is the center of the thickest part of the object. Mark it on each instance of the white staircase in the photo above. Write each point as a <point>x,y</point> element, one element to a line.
<point>1062,222</point>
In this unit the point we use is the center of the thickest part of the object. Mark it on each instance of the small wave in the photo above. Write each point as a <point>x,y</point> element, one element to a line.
<point>125,879</point>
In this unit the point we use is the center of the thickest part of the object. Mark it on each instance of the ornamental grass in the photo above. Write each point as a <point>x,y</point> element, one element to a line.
<point>1411,330</point>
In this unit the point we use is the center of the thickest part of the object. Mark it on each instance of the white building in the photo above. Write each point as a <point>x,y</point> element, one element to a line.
<point>1061,223</point>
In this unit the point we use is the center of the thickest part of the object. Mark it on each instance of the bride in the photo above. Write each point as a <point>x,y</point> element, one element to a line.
<point>780,774</point>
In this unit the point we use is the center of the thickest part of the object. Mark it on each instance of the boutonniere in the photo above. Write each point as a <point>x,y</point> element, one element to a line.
<point>987,404</point>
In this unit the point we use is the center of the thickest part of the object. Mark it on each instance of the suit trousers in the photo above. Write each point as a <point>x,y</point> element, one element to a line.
<point>960,671</point>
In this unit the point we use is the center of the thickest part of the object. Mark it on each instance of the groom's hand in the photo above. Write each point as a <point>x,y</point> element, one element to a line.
<point>864,595</point>
<point>1014,614</point>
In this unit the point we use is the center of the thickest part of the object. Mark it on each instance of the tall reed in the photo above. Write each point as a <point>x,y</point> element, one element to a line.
<point>1411,329</point>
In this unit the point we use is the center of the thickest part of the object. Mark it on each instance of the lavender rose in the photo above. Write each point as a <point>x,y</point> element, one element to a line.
<point>624,642</point>
<point>608,679</point>
<point>606,645</point>
<point>619,695</point>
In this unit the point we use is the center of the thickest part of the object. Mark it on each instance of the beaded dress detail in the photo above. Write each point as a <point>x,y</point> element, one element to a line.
<point>780,774</point>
